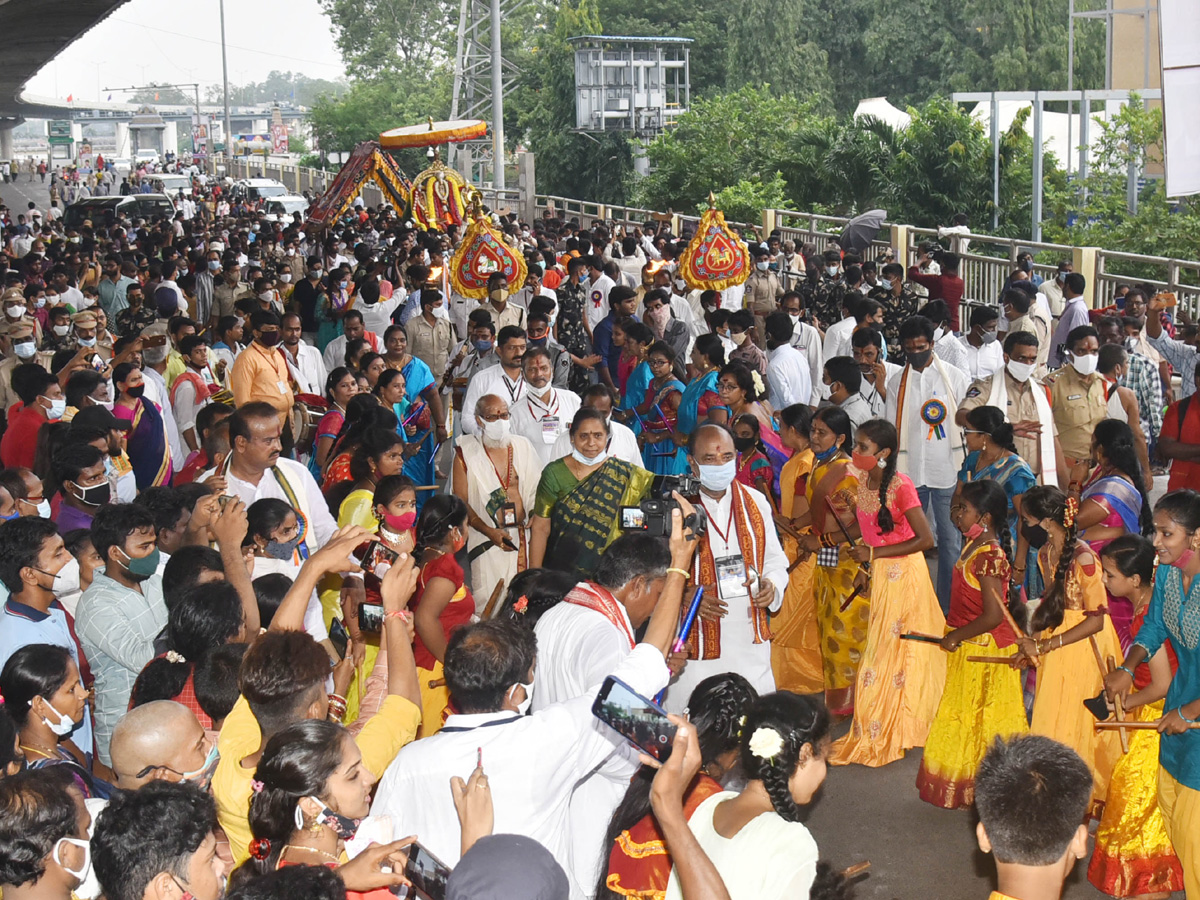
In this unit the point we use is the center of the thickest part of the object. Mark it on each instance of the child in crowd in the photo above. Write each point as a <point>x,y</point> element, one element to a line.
<point>753,466</point>
<point>1032,794</point>
<point>981,701</point>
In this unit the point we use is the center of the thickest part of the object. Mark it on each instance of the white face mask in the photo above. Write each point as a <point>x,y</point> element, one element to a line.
<point>66,579</point>
<point>25,350</point>
<point>62,726</point>
<point>81,874</point>
<point>523,706</point>
<point>589,460</point>
<point>1085,364</point>
<point>831,271</point>
<point>762,266</point>
<point>61,330</point>
<point>1020,371</point>
<point>495,432</point>
<point>286,277</point>
<point>680,284</point>
<point>795,318</point>
<point>938,333</point>
<point>718,478</point>
<point>14,312</point>
<point>266,296</point>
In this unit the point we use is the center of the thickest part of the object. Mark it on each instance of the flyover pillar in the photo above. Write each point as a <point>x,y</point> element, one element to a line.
<point>6,141</point>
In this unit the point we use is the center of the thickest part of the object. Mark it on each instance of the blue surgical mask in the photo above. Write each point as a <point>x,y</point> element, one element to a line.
<point>719,477</point>
<point>482,346</point>
<point>826,455</point>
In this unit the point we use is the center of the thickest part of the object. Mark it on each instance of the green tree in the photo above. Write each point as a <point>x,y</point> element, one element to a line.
<point>378,36</point>
<point>155,94</point>
<point>745,201</point>
<point>769,44</point>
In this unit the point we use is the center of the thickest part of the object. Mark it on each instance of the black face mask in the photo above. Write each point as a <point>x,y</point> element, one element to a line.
<point>1035,535</point>
<point>742,444</point>
<point>920,360</point>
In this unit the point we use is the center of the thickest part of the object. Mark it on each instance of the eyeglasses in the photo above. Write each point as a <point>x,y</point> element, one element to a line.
<point>494,416</point>
<point>658,363</point>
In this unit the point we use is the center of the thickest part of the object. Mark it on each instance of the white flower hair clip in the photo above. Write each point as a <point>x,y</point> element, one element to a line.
<point>759,388</point>
<point>766,743</point>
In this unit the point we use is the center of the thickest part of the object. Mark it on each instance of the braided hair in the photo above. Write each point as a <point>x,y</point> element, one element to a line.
<point>988,499</point>
<point>798,721</point>
<point>441,514</point>
<point>1049,502</point>
<point>716,708</point>
<point>991,421</point>
<point>1115,438</point>
<point>882,434</point>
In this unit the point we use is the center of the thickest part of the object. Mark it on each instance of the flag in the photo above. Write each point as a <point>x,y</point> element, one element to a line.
<point>156,95</point>
<point>70,97</point>
<point>110,96</point>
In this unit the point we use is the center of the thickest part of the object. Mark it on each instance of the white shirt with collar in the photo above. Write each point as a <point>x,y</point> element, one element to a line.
<point>321,525</point>
<point>987,359</point>
<point>308,368</point>
<point>378,316</point>
<point>595,306</point>
<point>949,349</point>
<point>622,444</point>
<point>532,762</point>
<point>872,396</point>
<point>543,422</point>
<point>929,462</point>
<point>156,390</point>
<point>807,340</point>
<point>837,338</point>
<point>788,377</point>
<point>739,653</point>
<point>492,380</point>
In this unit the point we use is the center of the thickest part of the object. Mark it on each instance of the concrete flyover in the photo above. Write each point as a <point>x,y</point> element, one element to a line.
<point>36,31</point>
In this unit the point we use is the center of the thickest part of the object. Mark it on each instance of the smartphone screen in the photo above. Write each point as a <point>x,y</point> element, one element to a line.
<point>427,873</point>
<point>642,721</point>
<point>375,557</point>
<point>339,637</point>
<point>370,617</point>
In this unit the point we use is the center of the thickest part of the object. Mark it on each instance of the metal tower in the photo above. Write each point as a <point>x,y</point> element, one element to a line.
<point>482,79</point>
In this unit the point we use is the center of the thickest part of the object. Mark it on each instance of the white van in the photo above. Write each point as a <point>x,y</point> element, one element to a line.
<point>171,185</point>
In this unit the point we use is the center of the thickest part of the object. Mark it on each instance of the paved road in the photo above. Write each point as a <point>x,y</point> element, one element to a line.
<point>17,196</point>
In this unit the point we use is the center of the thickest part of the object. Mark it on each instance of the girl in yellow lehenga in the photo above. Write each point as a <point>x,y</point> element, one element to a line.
<point>830,495</point>
<point>380,495</point>
<point>982,701</point>
<point>795,639</point>
<point>899,682</point>
<point>1133,855</point>
<point>1070,627</point>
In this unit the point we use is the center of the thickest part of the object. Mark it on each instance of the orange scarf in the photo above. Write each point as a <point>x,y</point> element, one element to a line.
<point>594,597</point>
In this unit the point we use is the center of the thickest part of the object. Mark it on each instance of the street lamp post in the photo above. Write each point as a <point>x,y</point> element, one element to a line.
<point>225,81</point>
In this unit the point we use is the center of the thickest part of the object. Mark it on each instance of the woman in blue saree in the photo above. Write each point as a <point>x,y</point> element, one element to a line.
<point>146,438</point>
<point>638,337</point>
<point>659,412</point>
<point>700,395</point>
<point>418,419</point>
<point>1111,502</point>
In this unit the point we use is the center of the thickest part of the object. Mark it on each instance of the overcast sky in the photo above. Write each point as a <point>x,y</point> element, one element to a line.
<point>172,41</point>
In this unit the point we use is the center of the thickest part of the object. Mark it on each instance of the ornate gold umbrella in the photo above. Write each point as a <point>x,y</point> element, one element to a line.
<point>431,133</point>
<point>483,251</point>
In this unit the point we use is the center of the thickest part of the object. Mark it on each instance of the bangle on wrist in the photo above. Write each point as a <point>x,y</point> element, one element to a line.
<point>1124,669</point>
<point>1185,718</point>
<point>683,572</point>
<point>402,614</point>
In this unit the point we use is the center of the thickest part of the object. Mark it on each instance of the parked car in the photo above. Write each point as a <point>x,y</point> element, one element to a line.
<point>147,158</point>
<point>256,189</point>
<point>106,209</point>
<point>121,164</point>
<point>171,185</point>
<point>281,209</point>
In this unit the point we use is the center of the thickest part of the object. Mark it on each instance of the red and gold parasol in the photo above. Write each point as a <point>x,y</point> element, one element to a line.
<point>431,133</point>
<point>716,258</point>
<point>482,252</point>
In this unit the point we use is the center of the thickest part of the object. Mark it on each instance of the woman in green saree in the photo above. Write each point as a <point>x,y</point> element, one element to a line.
<point>577,511</point>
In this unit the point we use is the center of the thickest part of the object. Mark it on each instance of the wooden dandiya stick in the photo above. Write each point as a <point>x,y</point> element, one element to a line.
<point>923,638</point>
<point>1136,726</point>
<point>1118,707</point>
<point>846,605</point>
<point>856,869</point>
<point>491,604</point>
<point>1007,660</point>
<point>786,527</point>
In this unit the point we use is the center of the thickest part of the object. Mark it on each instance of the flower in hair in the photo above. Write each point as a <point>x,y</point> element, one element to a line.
<point>174,657</point>
<point>1069,512</point>
<point>766,743</point>
<point>759,388</point>
<point>256,786</point>
<point>260,848</point>
<point>521,605</point>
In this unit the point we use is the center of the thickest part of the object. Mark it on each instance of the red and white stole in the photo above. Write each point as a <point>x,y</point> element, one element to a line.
<point>595,597</point>
<point>705,640</point>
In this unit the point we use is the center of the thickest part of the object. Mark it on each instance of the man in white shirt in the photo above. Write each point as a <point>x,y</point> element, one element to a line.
<point>685,306</point>
<point>255,470</point>
<point>581,640</point>
<point>505,380</point>
<point>335,350</point>
<point>377,310</point>
<point>533,288</point>
<point>984,354</point>
<point>622,443</point>
<point>596,306</point>
<point>788,377</point>
<point>304,360</point>
<point>922,400</point>
<point>731,633</point>
<point>805,338</point>
<point>946,345</point>
<point>532,761</point>
<point>843,383</point>
<point>545,412</point>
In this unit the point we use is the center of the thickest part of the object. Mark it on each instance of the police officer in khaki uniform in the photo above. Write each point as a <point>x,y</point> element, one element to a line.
<point>1077,394</point>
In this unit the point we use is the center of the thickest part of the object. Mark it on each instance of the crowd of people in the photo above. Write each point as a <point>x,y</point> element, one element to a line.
<point>306,554</point>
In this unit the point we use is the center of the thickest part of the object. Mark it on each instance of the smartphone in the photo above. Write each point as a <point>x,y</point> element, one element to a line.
<point>97,362</point>
<point>643,722</point>
<point>223,500</point>
<point>376,558</point>
<point>370,617</point>
<point>154,340</point>
<point>428,874</point>
<point>339,637</point>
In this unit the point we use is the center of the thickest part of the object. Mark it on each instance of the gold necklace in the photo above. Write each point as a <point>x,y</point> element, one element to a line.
<point>39,750</point>
<point>318,851</point>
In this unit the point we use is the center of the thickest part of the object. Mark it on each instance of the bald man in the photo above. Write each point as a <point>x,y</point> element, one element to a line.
<point>161,741</point>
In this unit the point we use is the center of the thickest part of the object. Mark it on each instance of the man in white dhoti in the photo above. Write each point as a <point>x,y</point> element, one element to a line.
<point>579,641</point>
<point>496,474</point>
<point>742,568</point>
